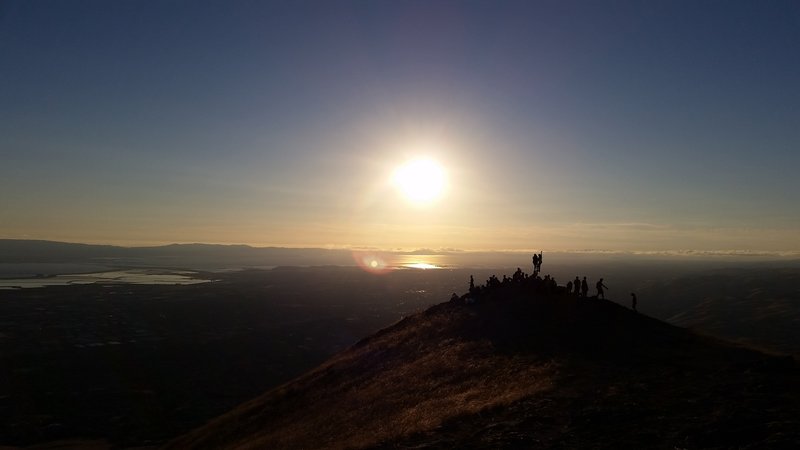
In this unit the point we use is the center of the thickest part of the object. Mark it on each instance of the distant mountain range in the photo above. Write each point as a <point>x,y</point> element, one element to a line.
<point>182,255</point>
<point>755,305</point>
<point>516,370</point>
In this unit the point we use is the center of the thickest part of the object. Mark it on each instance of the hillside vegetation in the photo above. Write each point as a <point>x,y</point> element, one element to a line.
<point>530,369</point>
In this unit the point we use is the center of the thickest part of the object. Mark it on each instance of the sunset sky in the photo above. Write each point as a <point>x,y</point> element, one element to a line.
<point>556,125</point>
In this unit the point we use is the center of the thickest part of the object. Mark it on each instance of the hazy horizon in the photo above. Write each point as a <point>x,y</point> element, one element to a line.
<point>682,252</point>
<point>38,259</point>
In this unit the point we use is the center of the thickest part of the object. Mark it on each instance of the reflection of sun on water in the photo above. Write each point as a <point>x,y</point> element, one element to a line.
<point>381,263</point>
<point>419,261</point>
<point>421,265</point>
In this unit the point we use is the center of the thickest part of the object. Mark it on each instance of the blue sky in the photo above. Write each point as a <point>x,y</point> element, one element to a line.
<point>561,125</point>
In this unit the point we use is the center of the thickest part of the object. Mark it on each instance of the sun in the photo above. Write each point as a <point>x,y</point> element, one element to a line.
<point>421,181</point>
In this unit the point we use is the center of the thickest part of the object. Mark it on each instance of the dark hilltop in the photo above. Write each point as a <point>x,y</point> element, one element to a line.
<point>525,364</point>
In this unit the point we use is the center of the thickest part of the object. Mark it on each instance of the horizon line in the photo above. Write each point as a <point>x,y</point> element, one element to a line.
<point>454,251</point>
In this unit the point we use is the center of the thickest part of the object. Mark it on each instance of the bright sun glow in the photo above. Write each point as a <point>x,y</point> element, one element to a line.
<point>420,180</point>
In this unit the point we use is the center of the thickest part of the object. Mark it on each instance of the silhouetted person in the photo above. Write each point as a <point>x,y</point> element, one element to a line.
<point>600,287</point>
<point>633,301</point>
<point>584,288</point>
<point>540,261</point>
<point>471,283</point>
<point>535,263</point>
<point>569,287</point>
<point>577,285</point>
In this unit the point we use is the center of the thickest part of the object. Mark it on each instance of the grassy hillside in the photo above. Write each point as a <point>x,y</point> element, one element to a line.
<point>525,368</point>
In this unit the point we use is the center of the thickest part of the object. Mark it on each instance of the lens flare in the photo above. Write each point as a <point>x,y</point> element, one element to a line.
<point>372,262</point>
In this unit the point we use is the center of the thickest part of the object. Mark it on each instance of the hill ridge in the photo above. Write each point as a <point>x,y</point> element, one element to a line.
<point>525,367</point>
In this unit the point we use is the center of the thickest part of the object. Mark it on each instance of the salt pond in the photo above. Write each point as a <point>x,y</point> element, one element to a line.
<point>128,276</point>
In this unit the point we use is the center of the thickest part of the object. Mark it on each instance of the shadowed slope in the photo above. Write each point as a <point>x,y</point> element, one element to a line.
<point>515,370</point>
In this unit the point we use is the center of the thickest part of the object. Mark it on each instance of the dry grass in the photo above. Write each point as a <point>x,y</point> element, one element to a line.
<point>550,374</point>
<point>394,385</point>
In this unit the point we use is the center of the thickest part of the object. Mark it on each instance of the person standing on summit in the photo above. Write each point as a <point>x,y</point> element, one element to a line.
<point>600,287</point>
<point>535,264</point>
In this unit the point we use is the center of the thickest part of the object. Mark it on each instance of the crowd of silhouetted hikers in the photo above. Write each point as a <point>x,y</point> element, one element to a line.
<point>535,284</point>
